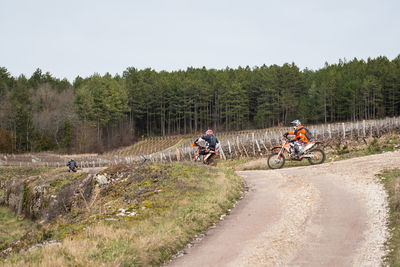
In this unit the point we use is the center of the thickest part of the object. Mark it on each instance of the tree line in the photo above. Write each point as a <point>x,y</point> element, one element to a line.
<point>98,113</point>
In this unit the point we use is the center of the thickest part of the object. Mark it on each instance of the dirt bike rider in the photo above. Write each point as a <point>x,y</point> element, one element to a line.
<point>211,142</point>
<point>300,140</point>
<point>72,165</point>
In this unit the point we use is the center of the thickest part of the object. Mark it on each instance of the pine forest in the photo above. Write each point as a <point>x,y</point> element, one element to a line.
<point>99,113</point>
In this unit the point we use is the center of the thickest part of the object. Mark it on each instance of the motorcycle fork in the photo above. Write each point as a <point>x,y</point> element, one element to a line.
<point>280,153</point>
<point>207,157</point>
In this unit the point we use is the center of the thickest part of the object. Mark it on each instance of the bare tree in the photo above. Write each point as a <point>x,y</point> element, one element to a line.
<point>51,110</point>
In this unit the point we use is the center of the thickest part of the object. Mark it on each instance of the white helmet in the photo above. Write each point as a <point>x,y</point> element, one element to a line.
<point>296,123</point>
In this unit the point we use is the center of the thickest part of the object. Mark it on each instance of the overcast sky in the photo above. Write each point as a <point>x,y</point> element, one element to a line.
<point>81,37</point>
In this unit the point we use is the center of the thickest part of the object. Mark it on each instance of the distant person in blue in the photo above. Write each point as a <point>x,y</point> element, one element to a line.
<point>72,166</point>
<point>211,142</point>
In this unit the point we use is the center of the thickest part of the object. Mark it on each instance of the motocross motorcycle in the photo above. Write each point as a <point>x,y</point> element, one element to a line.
<point>314,155</point>
<point>72,169</point>
<point>209,156</point>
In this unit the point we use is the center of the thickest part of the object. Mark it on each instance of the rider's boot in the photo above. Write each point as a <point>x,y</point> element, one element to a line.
<point>295,153</point>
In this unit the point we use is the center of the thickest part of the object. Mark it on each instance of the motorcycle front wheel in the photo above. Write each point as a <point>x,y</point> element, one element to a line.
<point>210,160</point>
<point>317,156</point>
<point>274,162</point>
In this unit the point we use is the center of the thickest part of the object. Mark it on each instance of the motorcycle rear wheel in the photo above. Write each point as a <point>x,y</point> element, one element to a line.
<point>318,156</point>
<point>274,162</point>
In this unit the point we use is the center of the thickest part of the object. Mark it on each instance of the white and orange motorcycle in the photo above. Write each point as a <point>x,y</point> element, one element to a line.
<point>310,152</point>
<point>204,155</point>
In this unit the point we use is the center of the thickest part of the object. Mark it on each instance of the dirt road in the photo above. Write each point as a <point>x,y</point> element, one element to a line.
<point>327,215</point>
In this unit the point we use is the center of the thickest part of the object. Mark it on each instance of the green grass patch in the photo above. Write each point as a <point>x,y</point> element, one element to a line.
<point>376,146</point>
<point>11,228</point>
<point>227,164</point>
<point>11,172</point>
<point>391,181</point>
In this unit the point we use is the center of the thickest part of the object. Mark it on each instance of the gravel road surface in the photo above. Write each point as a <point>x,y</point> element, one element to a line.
<point>332,214</point>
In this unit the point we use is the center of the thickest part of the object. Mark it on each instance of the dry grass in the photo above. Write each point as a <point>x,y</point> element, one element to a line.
<point>391,180</point>
<point>149,146</point>
<point>193,198</point>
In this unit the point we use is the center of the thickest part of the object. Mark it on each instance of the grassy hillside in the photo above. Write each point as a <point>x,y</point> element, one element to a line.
<point>135,215</point>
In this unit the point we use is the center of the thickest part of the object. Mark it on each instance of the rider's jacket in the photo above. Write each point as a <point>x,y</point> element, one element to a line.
<point>210,139</point>
<point>72,164</point>
<point>300,134</point>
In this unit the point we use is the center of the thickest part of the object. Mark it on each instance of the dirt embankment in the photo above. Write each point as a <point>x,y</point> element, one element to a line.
<point>333,214</point>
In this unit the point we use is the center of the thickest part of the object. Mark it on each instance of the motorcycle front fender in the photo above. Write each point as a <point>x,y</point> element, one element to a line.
<point>275,148</point>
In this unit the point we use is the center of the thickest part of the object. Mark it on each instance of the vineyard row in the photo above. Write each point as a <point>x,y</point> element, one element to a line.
<point>233,145</point>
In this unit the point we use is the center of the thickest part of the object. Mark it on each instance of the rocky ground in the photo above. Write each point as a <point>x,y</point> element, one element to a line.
<point>333,214</point>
